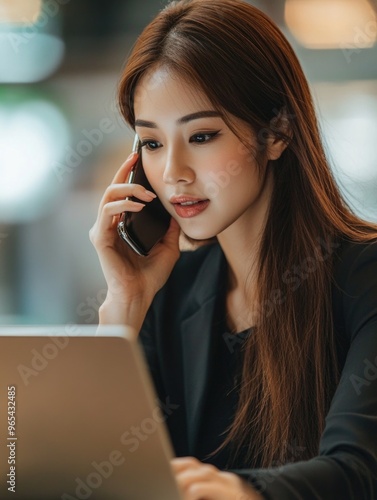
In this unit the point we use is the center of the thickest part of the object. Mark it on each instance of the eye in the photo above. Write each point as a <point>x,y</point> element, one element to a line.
<point>150,145</point>
<point>203,137</point>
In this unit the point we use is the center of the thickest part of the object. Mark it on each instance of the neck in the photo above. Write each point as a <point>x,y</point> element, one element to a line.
<point>240,243</point>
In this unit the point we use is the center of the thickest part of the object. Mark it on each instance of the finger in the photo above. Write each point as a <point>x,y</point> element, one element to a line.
<point>181,463</point>
<point>204,471</point>
<point>203,484</point>
<point>194,474</point>
<point>121,191</point>
<point>117,192</point>
<point>210,491</point>
<point>122,174</point>
<point>115,208</point>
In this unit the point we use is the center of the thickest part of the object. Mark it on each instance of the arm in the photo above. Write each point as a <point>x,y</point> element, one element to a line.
<point>132,281</point>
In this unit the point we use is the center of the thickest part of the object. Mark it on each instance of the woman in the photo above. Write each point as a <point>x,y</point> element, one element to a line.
<point>265,338</point>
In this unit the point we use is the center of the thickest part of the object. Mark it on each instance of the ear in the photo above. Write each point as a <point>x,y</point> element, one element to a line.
<point>280,136</point>
<point>275,147</point>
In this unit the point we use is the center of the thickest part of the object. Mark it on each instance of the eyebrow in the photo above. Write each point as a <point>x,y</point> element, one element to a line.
<point>183,120</point>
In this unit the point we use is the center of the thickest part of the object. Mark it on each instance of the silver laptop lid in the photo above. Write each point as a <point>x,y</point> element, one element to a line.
<point>80,417</point>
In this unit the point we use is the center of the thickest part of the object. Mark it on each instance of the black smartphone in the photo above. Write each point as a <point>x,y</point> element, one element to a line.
<point>142,230</point>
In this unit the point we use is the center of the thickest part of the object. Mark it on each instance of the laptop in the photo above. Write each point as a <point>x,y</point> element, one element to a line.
<point>79,417</point>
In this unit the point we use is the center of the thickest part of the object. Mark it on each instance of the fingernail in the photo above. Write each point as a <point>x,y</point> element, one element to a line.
<point>131,155</point>
<point>150,193</point>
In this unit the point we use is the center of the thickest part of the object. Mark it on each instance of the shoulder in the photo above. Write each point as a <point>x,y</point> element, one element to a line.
<point>350,249</point>
<point>355,285</point>
<point>351,258</point>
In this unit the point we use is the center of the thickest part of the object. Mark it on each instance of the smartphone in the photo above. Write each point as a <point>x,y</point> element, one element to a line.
<point>142,230</point>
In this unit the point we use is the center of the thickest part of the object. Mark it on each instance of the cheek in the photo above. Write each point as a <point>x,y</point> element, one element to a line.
<point>234,183</point>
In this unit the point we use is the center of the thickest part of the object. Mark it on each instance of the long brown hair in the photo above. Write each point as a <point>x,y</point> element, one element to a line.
<point>248,70</point>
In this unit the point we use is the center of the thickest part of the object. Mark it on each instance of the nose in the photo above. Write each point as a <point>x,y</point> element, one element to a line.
<point>177,168</point>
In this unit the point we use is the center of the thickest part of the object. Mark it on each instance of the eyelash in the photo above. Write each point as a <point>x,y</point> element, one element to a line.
<point>210,137</point>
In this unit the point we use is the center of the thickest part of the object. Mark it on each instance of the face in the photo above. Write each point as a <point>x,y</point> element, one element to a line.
<point>204,176</point>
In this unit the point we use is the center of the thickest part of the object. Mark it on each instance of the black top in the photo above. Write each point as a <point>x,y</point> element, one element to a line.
<point>220,404</point>
<point>193,371</point>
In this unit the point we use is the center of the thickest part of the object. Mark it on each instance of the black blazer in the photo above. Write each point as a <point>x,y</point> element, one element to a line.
<point>177,338</point>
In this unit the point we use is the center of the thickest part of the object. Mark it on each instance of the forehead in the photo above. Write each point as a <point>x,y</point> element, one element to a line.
<point>161,90</point>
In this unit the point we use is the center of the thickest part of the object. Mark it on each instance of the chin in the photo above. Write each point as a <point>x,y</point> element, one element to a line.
<point>202,230</point>
<point>199,236</point>
<point>187,243</point>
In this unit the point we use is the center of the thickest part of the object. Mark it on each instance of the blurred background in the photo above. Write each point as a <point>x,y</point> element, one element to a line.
<point>62,138</point>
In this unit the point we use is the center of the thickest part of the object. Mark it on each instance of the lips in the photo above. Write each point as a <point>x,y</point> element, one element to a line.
<point>187,206</point>
<point>185,200</point>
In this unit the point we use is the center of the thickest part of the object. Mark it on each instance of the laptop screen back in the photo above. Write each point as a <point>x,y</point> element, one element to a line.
<point>80,418</point>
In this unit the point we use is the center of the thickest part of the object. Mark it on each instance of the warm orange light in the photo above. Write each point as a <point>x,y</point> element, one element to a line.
<point>329,24</point>
<point>20,11</point>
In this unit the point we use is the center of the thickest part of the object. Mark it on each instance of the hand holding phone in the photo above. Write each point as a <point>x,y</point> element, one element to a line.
<point>142,230</point>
